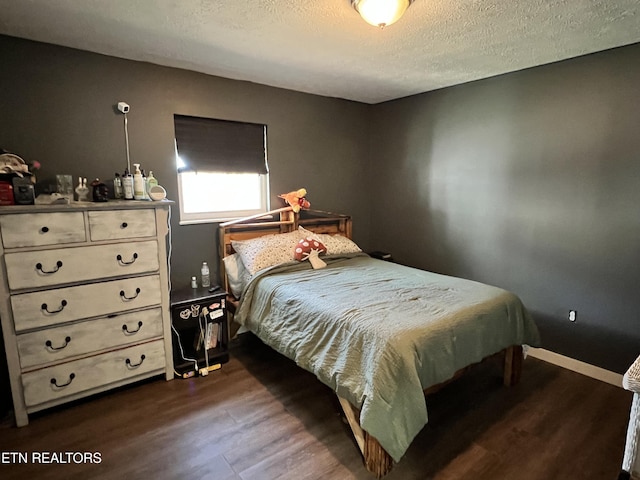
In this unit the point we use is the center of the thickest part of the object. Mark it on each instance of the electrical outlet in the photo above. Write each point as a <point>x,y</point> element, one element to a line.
<point>573,315</point>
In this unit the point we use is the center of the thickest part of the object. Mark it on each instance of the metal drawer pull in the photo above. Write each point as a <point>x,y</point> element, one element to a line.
<point>44,229</point>
<point>131,365</point>
<point>124,225</point>
<point>122,262</point>
<point>58,266</point>
<point>71,377</point>
<point>50,346</point>
<point>63,304</point>
<point>122,294</point>
<point>131,332</point>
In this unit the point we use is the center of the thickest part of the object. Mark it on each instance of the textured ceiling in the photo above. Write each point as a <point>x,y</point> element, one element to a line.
<point>324,47</point>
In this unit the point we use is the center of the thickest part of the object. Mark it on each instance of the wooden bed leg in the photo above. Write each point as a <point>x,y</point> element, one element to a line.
<point>352,415</point>
<point>376,459</point>
<point>512,365</point>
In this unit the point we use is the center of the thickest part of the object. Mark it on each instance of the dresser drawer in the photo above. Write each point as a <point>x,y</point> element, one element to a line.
<point>119,224</point>
<point>66,265</point>
<point>70,340</point>
<point>36,229</point>
<point>77,376</point>
<point>51,307</point>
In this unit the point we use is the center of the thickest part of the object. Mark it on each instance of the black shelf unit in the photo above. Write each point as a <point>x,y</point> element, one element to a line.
<point>197,314</point>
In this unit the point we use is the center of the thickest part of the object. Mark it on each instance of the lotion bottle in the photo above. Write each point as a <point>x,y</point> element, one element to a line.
<point>151,180</point>
<point>138,183</point>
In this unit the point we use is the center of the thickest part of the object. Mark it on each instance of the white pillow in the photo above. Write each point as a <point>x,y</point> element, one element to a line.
<point>336,244</point>
<point>237,275</point>
<point>266,251</point>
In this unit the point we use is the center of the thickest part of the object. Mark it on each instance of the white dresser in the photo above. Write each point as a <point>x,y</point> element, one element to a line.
<point>84,299</point>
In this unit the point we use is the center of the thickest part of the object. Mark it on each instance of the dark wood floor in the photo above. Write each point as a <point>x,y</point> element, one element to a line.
<point>261,417</point>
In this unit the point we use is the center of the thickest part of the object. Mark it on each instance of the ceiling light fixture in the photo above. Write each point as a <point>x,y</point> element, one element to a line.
<point>381,13</point>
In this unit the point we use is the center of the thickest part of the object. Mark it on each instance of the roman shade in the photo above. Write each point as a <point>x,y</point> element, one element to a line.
<point>206,144</point>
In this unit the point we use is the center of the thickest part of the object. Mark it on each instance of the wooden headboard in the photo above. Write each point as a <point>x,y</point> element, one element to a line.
<point>251,227</point>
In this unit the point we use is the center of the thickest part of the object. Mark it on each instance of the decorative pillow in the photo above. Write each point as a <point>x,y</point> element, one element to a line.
<point>310,249</point>
<point>267,251</point>
<point>237,275</point>
<point>335,244</point>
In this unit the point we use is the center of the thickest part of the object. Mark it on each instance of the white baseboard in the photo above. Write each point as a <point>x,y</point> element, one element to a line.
<point>576,366</point>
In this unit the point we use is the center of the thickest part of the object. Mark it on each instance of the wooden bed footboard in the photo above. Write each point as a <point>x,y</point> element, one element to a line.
<point>376,459</point>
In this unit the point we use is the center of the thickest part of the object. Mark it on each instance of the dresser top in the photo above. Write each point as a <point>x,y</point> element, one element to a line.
<point>82,206</point>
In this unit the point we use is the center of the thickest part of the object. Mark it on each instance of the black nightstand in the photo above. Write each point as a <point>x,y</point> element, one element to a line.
<point>200,330</point>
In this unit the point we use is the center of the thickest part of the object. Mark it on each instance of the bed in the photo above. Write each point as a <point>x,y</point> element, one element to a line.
<point>378,333</point>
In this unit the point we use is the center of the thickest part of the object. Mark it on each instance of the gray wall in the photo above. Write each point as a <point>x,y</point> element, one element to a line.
<point>529,181</point>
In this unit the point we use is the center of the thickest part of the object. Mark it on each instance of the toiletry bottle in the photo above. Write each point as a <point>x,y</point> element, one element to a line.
<point>206,279</point>
<point>145,195</point>
<point>127,185</point>
<point>194,282</point>
<point>151,181</point>
<point>117,186</point>
<point>138,183</point>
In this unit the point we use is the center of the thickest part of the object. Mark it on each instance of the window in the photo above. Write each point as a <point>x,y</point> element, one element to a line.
<point>222,169</point>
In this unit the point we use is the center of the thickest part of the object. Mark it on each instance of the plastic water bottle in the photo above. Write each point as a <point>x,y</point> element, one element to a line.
<point>206,279</point>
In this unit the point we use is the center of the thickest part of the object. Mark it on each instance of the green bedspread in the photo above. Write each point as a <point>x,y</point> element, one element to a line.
<point>378,333</point>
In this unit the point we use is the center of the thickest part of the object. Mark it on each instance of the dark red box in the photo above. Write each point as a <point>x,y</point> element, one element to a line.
<point>6,193</point>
